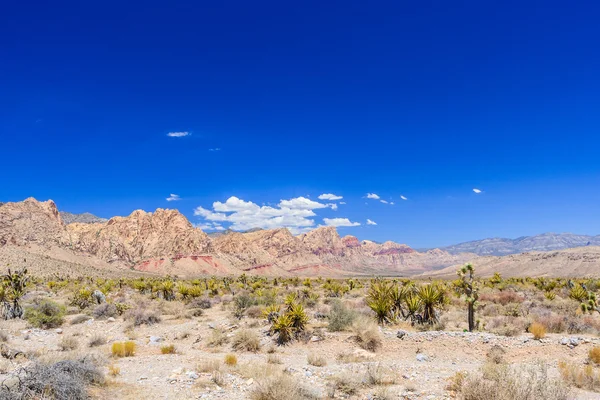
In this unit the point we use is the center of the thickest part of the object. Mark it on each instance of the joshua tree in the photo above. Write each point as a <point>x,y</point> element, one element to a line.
<point>11,291</point>
<point>466,286</point>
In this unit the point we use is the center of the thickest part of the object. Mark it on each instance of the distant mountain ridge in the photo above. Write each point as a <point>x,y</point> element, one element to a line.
<point>523,244</point>
<point>83,218</point>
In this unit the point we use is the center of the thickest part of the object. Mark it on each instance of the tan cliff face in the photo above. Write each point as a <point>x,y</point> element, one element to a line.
<point>164,241</point>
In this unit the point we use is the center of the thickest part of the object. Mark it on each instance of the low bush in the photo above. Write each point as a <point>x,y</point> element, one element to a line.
<point>105,310</point>
<point>168,349</point>
<point>367,335</point>
<point>123,349</point>
<point>68,343</point>
<point>66,379</point>
<point>280,386</point>
<point>340,317</point>
<point>594,355</point>
<point>97,340</point>
<point>245,340</point>
<point>580,376</point>
<point>501,382</point>
<point>217,338</point>
<point>45,314</point>
<point>142,316</point>
<point>230,359</point>
<point>537,330</point>
<point>316,360</point>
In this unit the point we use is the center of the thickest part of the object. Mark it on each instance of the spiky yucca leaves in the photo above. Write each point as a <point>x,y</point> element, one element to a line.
<point>82,298</point>
<point>579,294</point>
<point>271,313</point>
<point>298,316</point>
<point>13,286</point>
<point>283,326</point>
<point>290,299</point>
<point>307,283</point>
<point>380,301</point>
<point>431,297</point>
<point>167,289</point>
<point>398,296</point>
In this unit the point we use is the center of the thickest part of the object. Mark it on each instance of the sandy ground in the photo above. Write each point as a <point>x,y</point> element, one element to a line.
<point>151,375</point>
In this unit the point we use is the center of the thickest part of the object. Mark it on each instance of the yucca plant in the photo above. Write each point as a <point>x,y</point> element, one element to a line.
<point>271,313</point>
<point>431,297</point>
<point>283,326</point>
<point>578,293</point>
<point>380,301</point>
<point>398,296</point>
<point>298,316</point>
<point>13,288</point>
<point>167,290</point>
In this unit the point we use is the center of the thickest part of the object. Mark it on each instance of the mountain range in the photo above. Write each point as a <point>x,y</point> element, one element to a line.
<point>35,234</point>
<point>543,242</point>
<point>165,242</point>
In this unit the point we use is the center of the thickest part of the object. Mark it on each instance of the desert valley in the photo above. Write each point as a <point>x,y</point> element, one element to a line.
<point>149,306</point>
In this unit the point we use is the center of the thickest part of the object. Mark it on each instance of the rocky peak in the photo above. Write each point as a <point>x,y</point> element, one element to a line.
<point>350,241</point>
<point>31,221</point>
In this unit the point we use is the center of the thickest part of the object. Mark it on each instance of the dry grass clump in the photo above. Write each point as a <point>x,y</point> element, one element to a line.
<point>496,354</point>
<point>274,359</point>
<point>114,370</point>
<point>580,376</point>
<point>501,382</point>
<point>367,335</point>
<point>68,343</point>
<point>278,387</point>
<point>246,340</point>
<point>123,349</point>
<point>376,374</point>
<point>208,366</point>
<point>217,338</point>
<point>255,312</point>
<point>104,311</point>
<point>79,319</point>
<point>168,349</point>
<point>346,383</point>
<point>537,330</point>
<point>594,355</point>
<point>230,359</point>
<point>316,360</point>
<point>97,340</point>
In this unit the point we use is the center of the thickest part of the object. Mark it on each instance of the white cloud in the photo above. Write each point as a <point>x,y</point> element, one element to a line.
<point>477,191</point>
<point>370,222</point>
<point>178,134</point>
<point>215,149</point>
<point>392,203</point>
<point>372,196</point>
<point>330,196</point>
<point>339,222</point>
<point>173,197</point>
<point>342,202</point>
<point>403,198</point>
<point>301,203</point>
<point>384,201</point>
<point>294,214</point>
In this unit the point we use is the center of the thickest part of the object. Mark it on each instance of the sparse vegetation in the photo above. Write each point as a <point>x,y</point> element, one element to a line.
<point>168,349</point>
<point>230,359</point>
<point>45,314</point>
<point>245,340</point>
<point>123,349</point>
<point>537,330</point>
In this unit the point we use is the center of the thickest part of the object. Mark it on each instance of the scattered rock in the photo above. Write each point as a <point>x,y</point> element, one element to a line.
<point>59,331</point>
<point>156,339</point>
<point>110,319</point>
<point>422,357</point>
<point>400,334</point>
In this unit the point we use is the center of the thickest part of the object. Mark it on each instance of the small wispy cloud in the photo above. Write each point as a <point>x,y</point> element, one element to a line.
<point>173,197</point>
<point>342,202</point>
<point>371,222</point>
<point>215,149</point>
<point>333,206</point>
<point>403,198</point>
<point>339,222</point>
<point>384,201</point>
<point>373,196</point>
<point>477,191</point>
<point>179,134</point>
<point>330,196</point>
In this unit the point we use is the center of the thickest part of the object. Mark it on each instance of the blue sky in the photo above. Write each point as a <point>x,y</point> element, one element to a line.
<point>427,100</point>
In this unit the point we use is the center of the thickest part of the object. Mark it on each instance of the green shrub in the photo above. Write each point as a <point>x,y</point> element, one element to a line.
<point>45,314</point>
<point>340,317</point>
